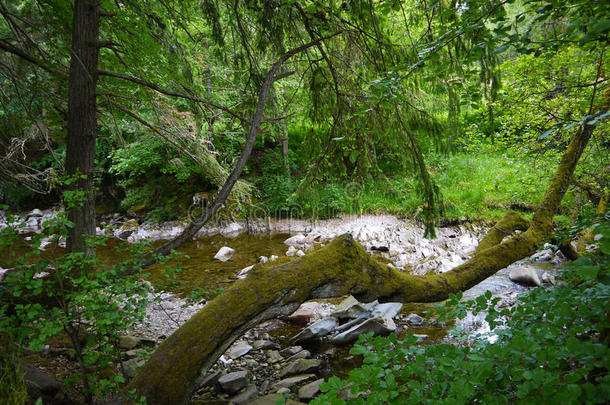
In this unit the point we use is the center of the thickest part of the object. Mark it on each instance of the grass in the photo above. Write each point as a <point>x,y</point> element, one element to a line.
<point>473,186</point>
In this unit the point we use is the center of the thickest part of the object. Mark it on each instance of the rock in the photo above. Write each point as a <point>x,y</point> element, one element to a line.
<point>525,275</point>
<point>313,237</point>
<point>548,278</point>
<point>274,356</point>
<point>421,337</point>
<point>305,313</point>
<point>244,272</point>
<point>132,366</point>
<point>238,349</point>
<point>39,384</point>
<point>232,230</point>
<point>300,253</point>
<point>344,306</point>
<point>35,213</point>
<point>311,390</point>
<point>318,329</point>
<point>246,396</point>
<point>290,351</point>
<point>263,259</point>
<point>272,258</point>
<point>300,366</point>
<point>292,381</point>
<point>376,325</point>
<point>296,240</point>
<point>233,382</point>
<point>208,380</point>
<point>386,310</point>
<point>291,251</point>
<point>129,342</point>
<point>130,225</point>
<point>303,354</point>
<point>262,344</point>
<point>415,320</point>
<point>224,254</point>
<point>283,391</point>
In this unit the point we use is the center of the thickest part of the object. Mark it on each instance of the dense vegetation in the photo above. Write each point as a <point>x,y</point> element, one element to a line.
<point>439,111</point>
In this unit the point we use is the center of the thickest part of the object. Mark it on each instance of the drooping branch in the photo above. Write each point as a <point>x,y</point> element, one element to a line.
<point>170,93</point>
<point>273,74</point>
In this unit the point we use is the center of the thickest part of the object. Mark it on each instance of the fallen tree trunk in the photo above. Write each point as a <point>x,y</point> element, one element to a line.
<point>342,267</point>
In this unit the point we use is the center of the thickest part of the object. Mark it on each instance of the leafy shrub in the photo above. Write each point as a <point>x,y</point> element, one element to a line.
<point>80,297</point>
<point>551,348</point>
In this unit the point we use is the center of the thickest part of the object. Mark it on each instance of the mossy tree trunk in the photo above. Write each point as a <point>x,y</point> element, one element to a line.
<point>342,267</point>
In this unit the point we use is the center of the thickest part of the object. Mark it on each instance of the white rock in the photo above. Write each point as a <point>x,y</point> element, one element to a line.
<point>295,240</point>
<point>291,251</point>
<point>263,259</point>
<point>35,213</point>
<point>548,278</point>
<point>224,254</point>
<point>244,272</point>
<point>525,275</point>
<point>300,253</point>
<point>232,230</point>
<point>313,237</point>
<point>272,258</point>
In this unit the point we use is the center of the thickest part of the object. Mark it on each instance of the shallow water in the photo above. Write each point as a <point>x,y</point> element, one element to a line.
<point>201,270</point>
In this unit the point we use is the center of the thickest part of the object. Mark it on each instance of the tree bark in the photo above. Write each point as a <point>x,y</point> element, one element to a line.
<point>82,121</point>
<point>342,267</point>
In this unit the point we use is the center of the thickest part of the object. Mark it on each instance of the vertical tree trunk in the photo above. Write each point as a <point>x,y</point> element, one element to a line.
<point>80,152</point>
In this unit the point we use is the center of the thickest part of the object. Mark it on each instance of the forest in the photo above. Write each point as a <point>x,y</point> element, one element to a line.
<point>301,201</point>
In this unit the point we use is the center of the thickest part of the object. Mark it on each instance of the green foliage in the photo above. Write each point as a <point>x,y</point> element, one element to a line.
<point>552,347</point>
<point>80,297</point>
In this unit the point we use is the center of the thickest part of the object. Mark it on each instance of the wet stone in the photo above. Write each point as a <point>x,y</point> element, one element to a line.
<point>309,391</point>
<point>415,320</point>
<point>290,351</point>
<point>292,381</point>
<point>238,349</point>
<point>233,382</point>
<point>246,396</point>
<point>300,366</point>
